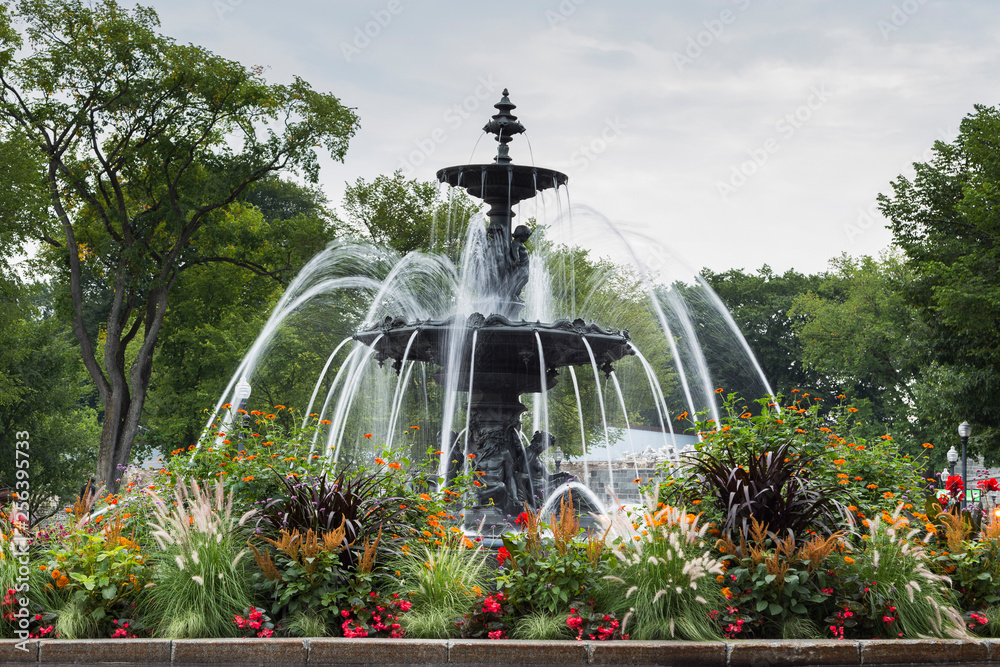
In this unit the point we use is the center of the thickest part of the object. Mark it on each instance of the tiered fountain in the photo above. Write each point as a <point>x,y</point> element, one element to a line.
<point>465,356</point>
<point>493,354</point>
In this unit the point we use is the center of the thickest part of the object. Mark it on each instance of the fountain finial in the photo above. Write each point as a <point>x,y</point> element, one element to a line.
<point>504,125</point>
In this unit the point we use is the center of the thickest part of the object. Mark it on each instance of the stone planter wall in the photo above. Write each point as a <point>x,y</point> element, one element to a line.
<point>751,653</point>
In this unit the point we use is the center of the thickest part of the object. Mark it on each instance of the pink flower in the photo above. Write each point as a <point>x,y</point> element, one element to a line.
<point>495,634</point>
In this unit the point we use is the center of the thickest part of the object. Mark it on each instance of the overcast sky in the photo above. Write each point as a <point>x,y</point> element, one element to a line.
<point>737,132</point>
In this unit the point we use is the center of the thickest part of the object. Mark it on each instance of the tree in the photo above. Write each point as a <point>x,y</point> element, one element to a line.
<point>217,313</point>
<point>52,403</point>
<point>409,215</point>
<point>947,222</point>
<point>145,144</point>
<point>866,339</point>
<point>761,305</point>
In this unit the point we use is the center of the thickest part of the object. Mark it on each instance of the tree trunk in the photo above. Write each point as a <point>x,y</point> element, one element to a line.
<point>123,405</point>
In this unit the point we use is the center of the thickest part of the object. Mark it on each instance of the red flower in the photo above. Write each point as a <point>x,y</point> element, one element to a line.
<point>502,556</point>
<point>522,519</point>
<point>954,485</point>
<point>988,485</point>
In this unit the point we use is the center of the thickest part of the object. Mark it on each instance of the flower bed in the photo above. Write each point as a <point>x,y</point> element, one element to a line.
<point>794,527</point>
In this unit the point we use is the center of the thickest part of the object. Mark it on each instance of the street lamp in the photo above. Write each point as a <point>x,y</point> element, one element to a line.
<point>964,431</point>
<point>952,458</point>
<point>557,456</point>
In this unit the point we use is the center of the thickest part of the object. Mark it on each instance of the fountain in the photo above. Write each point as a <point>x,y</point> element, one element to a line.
<point>493,354</point>
<point>467,323</point>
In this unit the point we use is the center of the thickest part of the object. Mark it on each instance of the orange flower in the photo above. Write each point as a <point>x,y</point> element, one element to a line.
<point>227,406</point>
<point>886,437</point>
<point>872,486</point>
<point>415,428</point>
<point>746,415</point>
<point>325,421</point>
<point>927,445</point>
<point>279,407</point>
<point>471,456</point>
<point>852,409</point>
<point>99,519</point>
<point>860,447</point>
<point>248,478</point>
<point>424,496</point>
<point>270,416</point>
<point>368,435</point>
<point>394,465</point>
<point>840,462</point>
<point>848,560</point>
<point>62,582</point>
<point>682,415</point>
<point>381,462</point>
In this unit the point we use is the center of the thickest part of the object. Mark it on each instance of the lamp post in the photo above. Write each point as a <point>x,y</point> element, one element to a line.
<point>964,431</point>
<point>952,458</point>
<point>557,456</point>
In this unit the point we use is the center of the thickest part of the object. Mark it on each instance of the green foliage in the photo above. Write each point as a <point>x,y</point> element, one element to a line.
<point>547,575</point>
<point>666,575</point>
<point>147,144</point>
<point>409,215</point>
<point>541,625</point>
<point>49,398</point>
<point>872,475</point>
<point>761,304</point>
<point>945,220</point>
<point>306,574</point>
<point>306,624</point>
<point>450,578</point>
<point>200,582</point>
<point>891,580</point>
<point>96,575</point>
<point>780,581</point>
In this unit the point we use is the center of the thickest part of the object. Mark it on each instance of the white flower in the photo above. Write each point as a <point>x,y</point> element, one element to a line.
<point>198,580</point>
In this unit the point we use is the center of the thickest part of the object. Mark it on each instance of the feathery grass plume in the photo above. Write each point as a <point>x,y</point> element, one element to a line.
<point>367,561</point>
<point>956,528</point>
<point>991,531</point>
<point>897,561</point>
<point>667,574</point>
<point>542,625</point>
<point>200,584</point>
<point>442,584</point>
<point>566,526</point>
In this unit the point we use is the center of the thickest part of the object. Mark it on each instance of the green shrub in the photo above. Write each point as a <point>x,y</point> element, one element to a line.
<point>200,583</point>
<point>666,575</point>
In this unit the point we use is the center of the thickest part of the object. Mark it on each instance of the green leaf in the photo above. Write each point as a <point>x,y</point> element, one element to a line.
<point>775,609</point>
<point>770,578</point>
<point>109,592</point>
<point>761,605</point>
